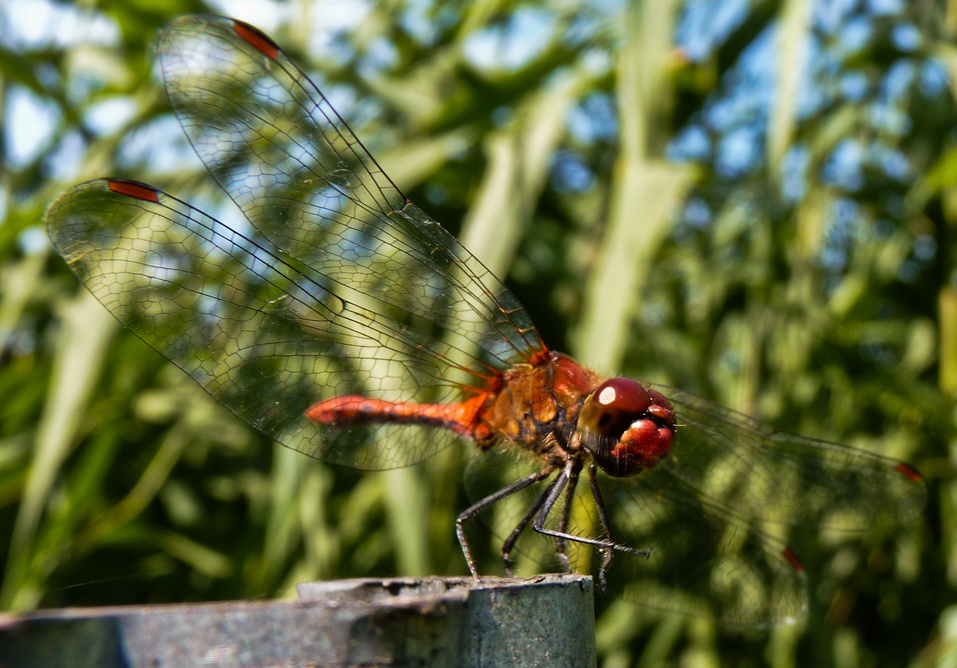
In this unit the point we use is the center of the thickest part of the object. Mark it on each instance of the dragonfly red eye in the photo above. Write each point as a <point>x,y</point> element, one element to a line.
<point>614,405</point>
<point>627,427</point>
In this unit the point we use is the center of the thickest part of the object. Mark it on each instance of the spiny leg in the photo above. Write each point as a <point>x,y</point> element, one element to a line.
<point>539,524</point>
<point>493,498</point>
<point>560,543</point>
<point>509,543</point>
<point>606,553</point>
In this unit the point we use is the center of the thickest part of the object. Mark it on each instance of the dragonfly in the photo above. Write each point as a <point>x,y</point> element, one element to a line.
<point>342,321</point>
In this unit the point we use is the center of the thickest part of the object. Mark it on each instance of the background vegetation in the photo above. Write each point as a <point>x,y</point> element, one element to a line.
<point>753,200</point>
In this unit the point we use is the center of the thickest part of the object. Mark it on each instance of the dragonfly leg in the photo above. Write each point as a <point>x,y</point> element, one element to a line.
<point>489,500</point>
<point>606,554</point>
<point>509,542</point>
<point>571,483</point>
<point>562,533</point>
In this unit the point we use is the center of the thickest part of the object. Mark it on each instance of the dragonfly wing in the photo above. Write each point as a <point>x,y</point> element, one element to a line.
<point>743,463</point>
<point>265,337</point>
<point>274,143</point>
<point>705,561</point>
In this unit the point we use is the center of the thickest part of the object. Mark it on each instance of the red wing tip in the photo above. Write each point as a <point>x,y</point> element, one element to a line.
<point>134,189</point>
<point>793,559</point>
<point>909,471</point>
<point>256,39</point>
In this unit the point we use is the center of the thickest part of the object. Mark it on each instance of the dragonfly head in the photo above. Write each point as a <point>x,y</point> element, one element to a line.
<point>627,427</point>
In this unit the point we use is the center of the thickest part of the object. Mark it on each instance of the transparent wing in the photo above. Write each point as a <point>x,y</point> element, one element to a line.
<point>704,561</point>
<point>762,473</point>
<point>267,337</point>
<point>271,139</point>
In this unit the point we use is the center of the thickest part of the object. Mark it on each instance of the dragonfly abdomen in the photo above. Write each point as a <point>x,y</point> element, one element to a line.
<point>459,417</point>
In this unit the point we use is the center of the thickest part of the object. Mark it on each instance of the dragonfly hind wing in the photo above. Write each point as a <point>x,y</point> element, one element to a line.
<point>742,463</point>
<point>266,338</point>
<point>704,560</point>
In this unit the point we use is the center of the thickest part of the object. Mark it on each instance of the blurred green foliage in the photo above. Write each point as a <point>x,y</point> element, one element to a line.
<point>751,200</point>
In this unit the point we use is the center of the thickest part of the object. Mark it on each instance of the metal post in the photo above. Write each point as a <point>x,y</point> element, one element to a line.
<point>419,622</point>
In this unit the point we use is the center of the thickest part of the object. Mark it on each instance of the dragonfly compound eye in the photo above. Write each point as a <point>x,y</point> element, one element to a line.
<point>626,426</point>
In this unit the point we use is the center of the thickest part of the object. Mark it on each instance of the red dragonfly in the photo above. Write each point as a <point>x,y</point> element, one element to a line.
<point>348,325</point>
